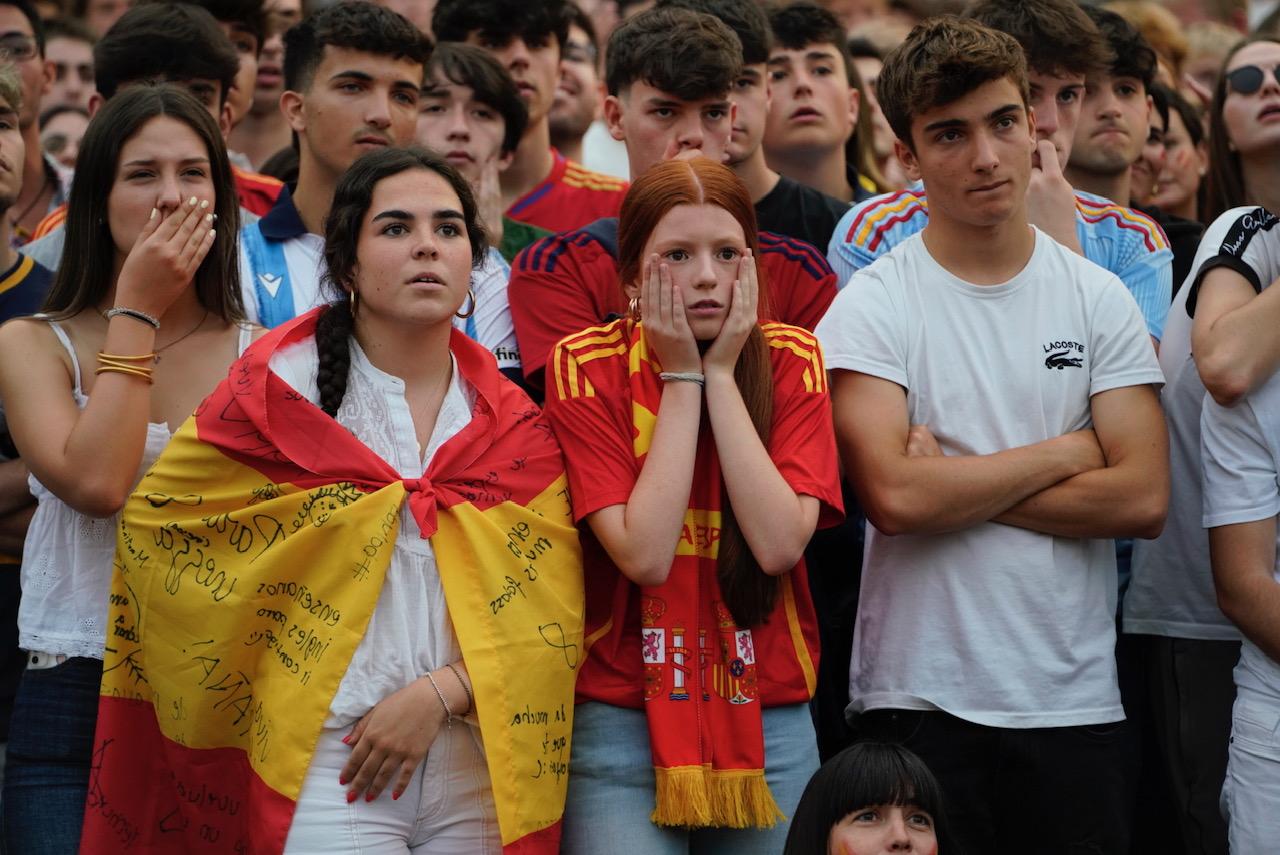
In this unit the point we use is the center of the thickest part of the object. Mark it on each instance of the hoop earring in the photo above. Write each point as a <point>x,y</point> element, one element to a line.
<point>353,303</point>
<point>472,310</point>
<point>633,309</point>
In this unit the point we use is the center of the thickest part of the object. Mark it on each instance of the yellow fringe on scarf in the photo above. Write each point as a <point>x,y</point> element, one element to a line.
<point>698,797</point>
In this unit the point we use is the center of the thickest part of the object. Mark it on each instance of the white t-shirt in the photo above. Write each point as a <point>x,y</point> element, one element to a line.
<point>1241,447</point>
<point>994,624</point>
<point>1171,591</point>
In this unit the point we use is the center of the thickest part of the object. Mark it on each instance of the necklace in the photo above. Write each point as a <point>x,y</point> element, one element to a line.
<point>187,334</point>
<point>18,230</point>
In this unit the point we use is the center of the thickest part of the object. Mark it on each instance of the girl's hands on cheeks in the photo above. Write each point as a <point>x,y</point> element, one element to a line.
<point>723,353</point>
<point>165,257</point>
<point>666,328</point>
<point>391,741</point>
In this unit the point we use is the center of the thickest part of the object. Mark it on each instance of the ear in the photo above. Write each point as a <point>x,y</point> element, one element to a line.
<point>613,110</point>
<point>224,120</point>
<point>855,106</point>
<point>1031,126</point>
<point>291,104</point>
<point>95,103</point>
<point>503,161</point>
<point>49,72</point>
<point>910,165</point>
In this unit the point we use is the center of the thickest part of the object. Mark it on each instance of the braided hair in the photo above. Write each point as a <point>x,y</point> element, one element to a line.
<point>351,200</point>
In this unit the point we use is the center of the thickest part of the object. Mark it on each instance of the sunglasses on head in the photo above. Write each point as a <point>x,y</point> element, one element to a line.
<point>1248,79</point>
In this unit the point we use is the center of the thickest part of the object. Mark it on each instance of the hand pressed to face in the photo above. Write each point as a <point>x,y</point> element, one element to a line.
<point>743,316</point>
<point>666,327</point>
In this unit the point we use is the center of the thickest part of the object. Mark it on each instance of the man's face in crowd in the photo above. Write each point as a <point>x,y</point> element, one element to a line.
<point>99,15</point>
<point>974,154</point>
<point>240,98</point>
<point>657,126</point>
<point>72,72</point>
<point>355,102</point>
<point>19,41</point>
<point>814,107</point>
<point>12,155</point>
<point>1056,101</point>
<point>534,64</point>
<point>1113,126</point>
<point>750,98</point>
<point>281,15</point>
<point>467,132</point>
<point>577,98</point>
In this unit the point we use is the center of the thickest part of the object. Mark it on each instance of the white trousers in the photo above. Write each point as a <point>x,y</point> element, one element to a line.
<point>1251,793</point>
<point>447,808</point>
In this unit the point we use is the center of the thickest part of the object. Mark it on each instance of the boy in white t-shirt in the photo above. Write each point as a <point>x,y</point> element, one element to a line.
<point>994,400</point>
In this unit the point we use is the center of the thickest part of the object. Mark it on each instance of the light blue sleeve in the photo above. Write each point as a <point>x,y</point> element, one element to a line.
<point>1149,278</point>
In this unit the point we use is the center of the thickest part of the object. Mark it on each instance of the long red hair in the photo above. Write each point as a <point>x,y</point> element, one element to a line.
<point>749,593</point>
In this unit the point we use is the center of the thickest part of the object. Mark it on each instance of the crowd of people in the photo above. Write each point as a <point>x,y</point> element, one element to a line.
<point>703,426</point>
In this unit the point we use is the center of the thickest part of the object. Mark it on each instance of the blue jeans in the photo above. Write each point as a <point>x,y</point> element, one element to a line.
<point>47,769</point>
<point>611,786</point>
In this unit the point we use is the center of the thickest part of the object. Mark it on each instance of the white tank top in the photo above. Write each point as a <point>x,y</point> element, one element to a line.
<point>67,556</point>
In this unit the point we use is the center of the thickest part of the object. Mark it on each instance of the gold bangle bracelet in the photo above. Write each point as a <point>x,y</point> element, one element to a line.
<point>120,358</point>
<point>121,369</point>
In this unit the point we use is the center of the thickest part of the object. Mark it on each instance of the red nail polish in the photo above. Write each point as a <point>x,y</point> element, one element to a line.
<point>351,797</point>
<point>342,782</point>
<point>369,797</point>
<point>397,794</point>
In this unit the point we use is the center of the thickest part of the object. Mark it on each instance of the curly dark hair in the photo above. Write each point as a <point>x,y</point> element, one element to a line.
<point>690,55</point>
<point>351,200</point>
<point>353,24</point>
<point>499,21</point>
<point>251,15</point>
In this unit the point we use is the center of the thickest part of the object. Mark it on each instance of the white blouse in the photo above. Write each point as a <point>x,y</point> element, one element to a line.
<point>410,632</point>
<point>67,555</point>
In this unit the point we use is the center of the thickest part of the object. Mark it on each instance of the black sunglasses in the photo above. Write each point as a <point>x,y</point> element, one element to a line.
<point>1248,79</point>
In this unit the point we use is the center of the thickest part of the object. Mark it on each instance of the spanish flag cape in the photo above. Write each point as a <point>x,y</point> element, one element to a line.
<point>248,563</point>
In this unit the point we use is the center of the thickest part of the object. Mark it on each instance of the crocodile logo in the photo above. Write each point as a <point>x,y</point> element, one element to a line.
<point>1061,361</point>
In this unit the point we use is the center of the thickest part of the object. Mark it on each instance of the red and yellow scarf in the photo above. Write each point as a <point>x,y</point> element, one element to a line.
<point>248,564</point>
<point>701,694</point>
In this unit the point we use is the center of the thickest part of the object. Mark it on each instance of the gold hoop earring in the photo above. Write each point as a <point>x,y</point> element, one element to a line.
<point>472,311</point>
<point>633,309</point>
<point>354,303</point>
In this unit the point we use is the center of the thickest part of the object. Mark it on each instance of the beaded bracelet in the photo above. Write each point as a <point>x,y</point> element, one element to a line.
<point>471,699</point>
<point>153,322</point>
<point>685,376</point>
<point>448,712</point>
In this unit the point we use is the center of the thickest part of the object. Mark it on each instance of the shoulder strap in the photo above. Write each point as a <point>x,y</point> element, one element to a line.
<point>272,289</point>
<point>71,351</point>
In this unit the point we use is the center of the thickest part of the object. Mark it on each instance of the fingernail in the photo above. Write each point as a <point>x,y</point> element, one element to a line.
<point>208,218</point>
<point>192,202</point>
<point>369,797</point>
<point>346,740</point>
<point>153,213</point>
<point>397,794</point>
<point>204,204</point>
<point>351,797</point>
<point>342,782</point>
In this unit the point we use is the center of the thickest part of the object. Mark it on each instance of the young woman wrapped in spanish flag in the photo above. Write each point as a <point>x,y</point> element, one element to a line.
<point>347,611</point>
<point>701,456</point>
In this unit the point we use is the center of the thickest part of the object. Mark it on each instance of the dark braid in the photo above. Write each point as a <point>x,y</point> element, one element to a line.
<point>333,345</point>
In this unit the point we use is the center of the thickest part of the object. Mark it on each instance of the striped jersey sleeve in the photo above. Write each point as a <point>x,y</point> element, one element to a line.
<point>1133,247</point>
<point>870,229</point>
